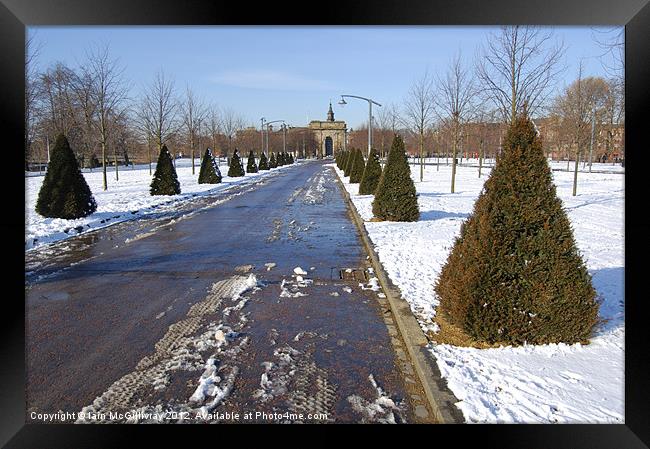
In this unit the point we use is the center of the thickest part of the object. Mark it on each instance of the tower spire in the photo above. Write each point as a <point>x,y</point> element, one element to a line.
<point>330,113</point>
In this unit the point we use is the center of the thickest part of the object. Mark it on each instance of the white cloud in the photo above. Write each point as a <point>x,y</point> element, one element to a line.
<point>269,79</point>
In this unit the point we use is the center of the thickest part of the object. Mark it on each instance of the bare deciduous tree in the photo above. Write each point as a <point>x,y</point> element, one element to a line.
<point>481,135</point>
<point>455,91</point>
<point>231,122</point>
<point>32,87</point>
<point>194,113</point>
<point>58,98</point>
<point>419,111</point>
<point>521,64</point>
<point>157,111</point>
<point>388,124</point>
<point>83,86</point>
<point>122,136</point>
<point>579,105</point>
<point>214,127</point>
<point>109,93</point>
<point>612,42</point>
<point>614,112</point>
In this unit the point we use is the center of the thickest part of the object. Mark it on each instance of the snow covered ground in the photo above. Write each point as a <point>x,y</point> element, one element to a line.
<point>125,199</point>
<point>609,167</point>
<point>529,384</point>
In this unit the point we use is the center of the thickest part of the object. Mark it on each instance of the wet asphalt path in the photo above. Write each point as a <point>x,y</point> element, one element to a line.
<point>180,314</point>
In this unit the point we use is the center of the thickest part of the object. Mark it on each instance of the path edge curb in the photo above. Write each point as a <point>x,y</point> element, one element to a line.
<point>441,400</point>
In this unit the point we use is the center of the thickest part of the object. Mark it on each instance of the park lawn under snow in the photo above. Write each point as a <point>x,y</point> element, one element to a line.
<point>528,384</point>
<point>125,199</point>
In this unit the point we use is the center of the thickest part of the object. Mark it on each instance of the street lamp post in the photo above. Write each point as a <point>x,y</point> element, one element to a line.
<point>267,132</point>
<point>262,132</point>
<point>284,137</point>
<point>199,136</point>
<point>370,103</point>
<point>285,127</point>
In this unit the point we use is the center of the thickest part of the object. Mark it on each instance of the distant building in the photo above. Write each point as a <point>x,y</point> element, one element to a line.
<point>330,135</point>
<point>609,141</point>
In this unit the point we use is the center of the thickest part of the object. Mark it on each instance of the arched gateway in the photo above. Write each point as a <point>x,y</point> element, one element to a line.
<point>330,135</point>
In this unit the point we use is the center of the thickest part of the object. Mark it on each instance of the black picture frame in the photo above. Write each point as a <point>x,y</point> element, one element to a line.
<point>634,14</point>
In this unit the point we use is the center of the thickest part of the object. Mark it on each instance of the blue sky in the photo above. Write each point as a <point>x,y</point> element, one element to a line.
<point>290,73</point>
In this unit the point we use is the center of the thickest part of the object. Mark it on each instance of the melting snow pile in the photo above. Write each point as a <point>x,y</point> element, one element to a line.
<point>291,288</point>
<point>276,376</point>
<point>299,271</point>
<point>381,410</point>
<point>373,284</point>
<point>209,387</point>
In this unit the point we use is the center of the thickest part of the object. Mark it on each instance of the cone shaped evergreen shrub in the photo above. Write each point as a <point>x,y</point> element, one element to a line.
<point>280,159</point>
<point>344,160</point>
<point>290,158</point>
<point>395,197</point>
<point>515,274</point>
<point>209,173</point>
<point>165,180</point>
<point>64,193</point>
<point>347,165</point>
<point>358,164</point>
<point>251,167</point>
<point>273,162</point>
<point>264,163</point>
<point>236,168</point>
<point>371,174</point>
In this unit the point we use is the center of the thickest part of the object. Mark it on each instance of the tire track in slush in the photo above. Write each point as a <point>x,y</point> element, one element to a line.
<point>301,385</point>
<point>178,349</point>
<point>310,377</point>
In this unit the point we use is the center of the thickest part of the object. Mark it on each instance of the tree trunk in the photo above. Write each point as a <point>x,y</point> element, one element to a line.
<point>480,158</point>
<point>192,150</point>
<point>513,99</point>
<point>104,165</point>
<point>575,172</point>
<point>453,159</point>
<point>421,156</point>
<point>117,175</point>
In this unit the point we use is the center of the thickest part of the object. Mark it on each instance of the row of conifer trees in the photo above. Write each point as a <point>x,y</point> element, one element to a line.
<point>65,193</point>
<point>514,274</point>
<point>394,191</point>
<point>236,167</point>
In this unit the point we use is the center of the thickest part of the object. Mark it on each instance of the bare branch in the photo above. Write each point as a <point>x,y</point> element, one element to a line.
<point>521,64</point>
<point>158,110</point>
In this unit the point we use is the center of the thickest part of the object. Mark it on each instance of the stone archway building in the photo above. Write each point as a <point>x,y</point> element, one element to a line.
<point>330,135</point>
